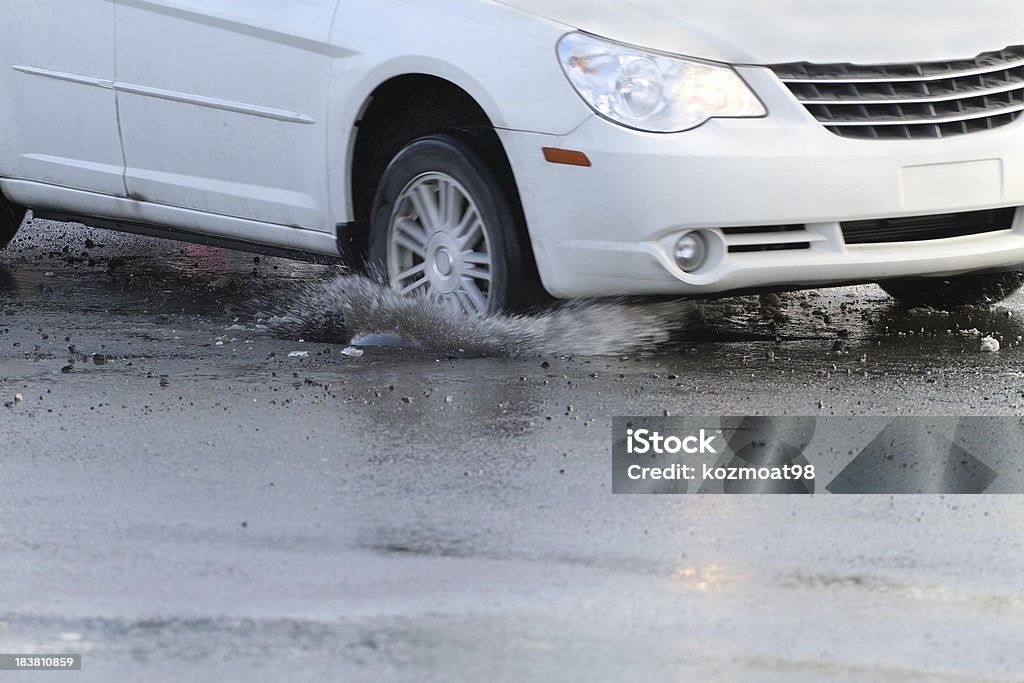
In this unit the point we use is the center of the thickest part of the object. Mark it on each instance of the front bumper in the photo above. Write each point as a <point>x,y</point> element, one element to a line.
<point>610,229</point>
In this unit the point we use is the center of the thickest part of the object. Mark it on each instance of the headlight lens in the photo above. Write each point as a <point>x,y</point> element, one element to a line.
<point>651,91</point>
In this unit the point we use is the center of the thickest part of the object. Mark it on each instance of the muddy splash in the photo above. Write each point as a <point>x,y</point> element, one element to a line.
<point>351,306</point>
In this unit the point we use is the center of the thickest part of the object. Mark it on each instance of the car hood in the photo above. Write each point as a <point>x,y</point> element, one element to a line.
<point>778,31</point>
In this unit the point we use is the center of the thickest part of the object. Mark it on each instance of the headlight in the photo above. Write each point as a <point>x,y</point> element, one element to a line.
<point>651,91</point>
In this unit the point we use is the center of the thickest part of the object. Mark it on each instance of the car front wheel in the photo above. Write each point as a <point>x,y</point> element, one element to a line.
<point>954,292</point>
<point>444,227</point>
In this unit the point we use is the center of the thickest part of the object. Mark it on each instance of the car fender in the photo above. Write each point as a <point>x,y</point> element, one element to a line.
<point>532,95</point>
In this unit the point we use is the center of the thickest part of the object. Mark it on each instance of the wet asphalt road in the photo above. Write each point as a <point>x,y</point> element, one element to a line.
<point>202,507</point>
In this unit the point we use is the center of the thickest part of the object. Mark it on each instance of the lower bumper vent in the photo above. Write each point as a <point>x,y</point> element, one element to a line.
<point>922,228</point>
<point>767,238</point>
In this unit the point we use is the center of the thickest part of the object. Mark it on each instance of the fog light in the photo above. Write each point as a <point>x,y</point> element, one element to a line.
<point>691,252</point>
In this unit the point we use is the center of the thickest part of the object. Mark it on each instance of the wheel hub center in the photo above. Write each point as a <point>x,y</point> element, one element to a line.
<point>444,265</point>
<point>443,262</point>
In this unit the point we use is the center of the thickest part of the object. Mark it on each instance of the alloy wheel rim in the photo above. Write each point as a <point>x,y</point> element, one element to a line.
<point>438,245</point>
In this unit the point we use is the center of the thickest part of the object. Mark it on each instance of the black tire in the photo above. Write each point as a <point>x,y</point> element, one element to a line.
<point>514,284</point>
<point>955,292</point>
<point>11,217</point>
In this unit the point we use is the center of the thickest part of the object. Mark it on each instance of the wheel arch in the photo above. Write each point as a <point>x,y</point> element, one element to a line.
<point>402,108</point>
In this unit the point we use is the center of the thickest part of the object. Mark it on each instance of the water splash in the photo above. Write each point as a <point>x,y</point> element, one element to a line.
<point>352,306</point>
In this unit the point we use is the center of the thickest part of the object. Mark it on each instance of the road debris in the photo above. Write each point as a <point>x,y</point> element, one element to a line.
<point>989,345</point>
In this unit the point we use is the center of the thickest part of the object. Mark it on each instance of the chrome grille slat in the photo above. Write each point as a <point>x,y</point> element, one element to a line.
<point>896,121</point>
<point>1012,87</point>
<point>840,78</point>
<point>912,101</point>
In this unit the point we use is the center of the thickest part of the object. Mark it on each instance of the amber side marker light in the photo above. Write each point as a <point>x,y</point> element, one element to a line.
<point>566,156</point>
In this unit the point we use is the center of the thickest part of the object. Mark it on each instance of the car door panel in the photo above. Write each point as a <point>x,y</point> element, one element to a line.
<point>59,109</point>
<point>224,105</point>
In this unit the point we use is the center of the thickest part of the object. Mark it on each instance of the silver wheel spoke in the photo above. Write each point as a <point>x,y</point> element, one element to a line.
<point>415,270</point>
<point>413,229</point>
<point>469,216</point>
<point>477,273</point>
<point>414,286</point>
<point>473,235</point>
<point>411,235</point>
<point>424,199</point>
<point>404,241</point>
<point>476,258</point>
<point>475,295</point>
<point>449,196</point>
<point>466,302</point>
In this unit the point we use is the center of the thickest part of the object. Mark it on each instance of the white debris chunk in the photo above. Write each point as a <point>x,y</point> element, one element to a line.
<point>299,354</point>
<point>383,340</point>
<point>989,345</point>
<point>352,352</point>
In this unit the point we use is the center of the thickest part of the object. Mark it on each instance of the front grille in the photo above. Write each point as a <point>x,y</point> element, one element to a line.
<point>921,228</point>
<point>912,101</point>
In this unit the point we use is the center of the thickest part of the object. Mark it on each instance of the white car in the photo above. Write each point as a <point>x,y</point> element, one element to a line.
<point>489,152</point>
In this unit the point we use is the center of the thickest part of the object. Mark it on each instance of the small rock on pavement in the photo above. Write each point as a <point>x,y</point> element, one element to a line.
<point>989,345</point>
<point>299,354</point>
<point>352,352</point>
